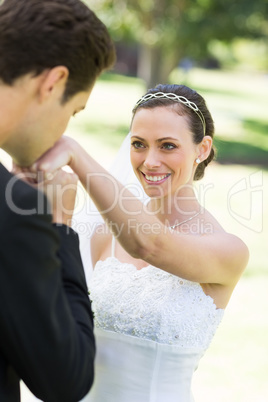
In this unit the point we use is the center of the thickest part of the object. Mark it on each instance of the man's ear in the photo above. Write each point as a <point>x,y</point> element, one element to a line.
<point>205,148</point>
<point>53,83</point>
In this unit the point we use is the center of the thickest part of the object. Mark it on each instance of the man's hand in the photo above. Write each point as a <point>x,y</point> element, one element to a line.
<point>60,188</point>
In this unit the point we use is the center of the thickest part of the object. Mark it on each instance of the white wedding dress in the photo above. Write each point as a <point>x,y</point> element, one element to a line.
<point>151,330</point>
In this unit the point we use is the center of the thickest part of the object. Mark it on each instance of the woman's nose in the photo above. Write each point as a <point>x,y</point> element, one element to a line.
<point>152,160</point>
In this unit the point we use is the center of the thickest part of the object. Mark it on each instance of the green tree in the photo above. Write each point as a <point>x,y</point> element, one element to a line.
<point>168,30</point>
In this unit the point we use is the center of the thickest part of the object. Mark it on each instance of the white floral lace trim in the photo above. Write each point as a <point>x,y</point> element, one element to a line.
<point>152,304</point>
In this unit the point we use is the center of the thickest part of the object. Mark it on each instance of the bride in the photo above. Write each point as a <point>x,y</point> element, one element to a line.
<point>165,270</point>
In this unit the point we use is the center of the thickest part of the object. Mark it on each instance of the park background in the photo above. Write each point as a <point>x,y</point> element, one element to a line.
<point>220,49</point>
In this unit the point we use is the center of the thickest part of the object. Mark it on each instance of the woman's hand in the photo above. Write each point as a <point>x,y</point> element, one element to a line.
<point>61,154</point>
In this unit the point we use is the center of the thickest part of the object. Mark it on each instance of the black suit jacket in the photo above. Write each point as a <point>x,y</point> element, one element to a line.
<point>46,326</point>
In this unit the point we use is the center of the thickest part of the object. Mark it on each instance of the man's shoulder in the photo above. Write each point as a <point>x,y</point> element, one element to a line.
<point>10,182</point>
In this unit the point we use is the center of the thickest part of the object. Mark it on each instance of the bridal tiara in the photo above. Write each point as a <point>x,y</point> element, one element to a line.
<point>175,98</point>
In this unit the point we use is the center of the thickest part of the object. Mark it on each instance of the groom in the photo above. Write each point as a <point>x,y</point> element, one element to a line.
<point>51,52</point>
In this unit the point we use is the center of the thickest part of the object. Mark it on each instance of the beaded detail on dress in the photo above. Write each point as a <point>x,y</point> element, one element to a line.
<point>152,304</point>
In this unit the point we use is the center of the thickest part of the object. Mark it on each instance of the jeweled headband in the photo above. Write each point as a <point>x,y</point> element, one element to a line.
<point>175,98</point>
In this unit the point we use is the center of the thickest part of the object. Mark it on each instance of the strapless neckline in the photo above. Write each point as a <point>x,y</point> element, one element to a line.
<point>136,271</point>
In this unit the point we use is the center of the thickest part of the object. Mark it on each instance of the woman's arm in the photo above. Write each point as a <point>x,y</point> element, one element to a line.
<point>216,258</point>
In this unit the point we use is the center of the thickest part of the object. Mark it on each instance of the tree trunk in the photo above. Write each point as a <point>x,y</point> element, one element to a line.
<point>155,65</point>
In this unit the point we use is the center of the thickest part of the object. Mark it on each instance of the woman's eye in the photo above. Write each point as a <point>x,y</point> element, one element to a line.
<point>137,144</point>
<point>168,146</point>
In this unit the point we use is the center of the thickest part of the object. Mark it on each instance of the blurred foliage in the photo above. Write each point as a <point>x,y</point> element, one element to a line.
<point>169,30</point>
<point>244,54</point>
<point>194,23</point>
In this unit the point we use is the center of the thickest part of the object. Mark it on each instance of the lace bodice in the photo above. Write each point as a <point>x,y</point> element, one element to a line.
<point>152,304</point>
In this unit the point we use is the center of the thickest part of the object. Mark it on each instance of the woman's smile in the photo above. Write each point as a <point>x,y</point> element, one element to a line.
<point>155,178</point>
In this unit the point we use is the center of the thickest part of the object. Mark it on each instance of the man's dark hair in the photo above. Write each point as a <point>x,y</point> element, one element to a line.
<point>36,35</point>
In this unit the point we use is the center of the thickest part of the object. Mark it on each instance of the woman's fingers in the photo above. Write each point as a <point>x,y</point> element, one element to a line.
<point>55,158</point>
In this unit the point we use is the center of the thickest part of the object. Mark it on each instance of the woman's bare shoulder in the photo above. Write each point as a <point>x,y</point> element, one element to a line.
<point>231,250</point>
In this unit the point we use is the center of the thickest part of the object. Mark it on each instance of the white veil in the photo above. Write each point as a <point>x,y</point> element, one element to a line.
<point>87,218</point>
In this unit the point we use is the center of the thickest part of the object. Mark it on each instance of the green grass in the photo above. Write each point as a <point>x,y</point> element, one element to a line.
<point>241,153</point>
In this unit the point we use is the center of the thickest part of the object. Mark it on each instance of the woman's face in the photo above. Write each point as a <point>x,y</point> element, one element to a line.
<point>162,151</point>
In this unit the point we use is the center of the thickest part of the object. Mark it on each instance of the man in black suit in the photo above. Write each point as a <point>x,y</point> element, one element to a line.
<point>51,52</point>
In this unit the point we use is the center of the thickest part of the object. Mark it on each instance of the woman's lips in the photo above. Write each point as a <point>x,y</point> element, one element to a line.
<point>155,178</point>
